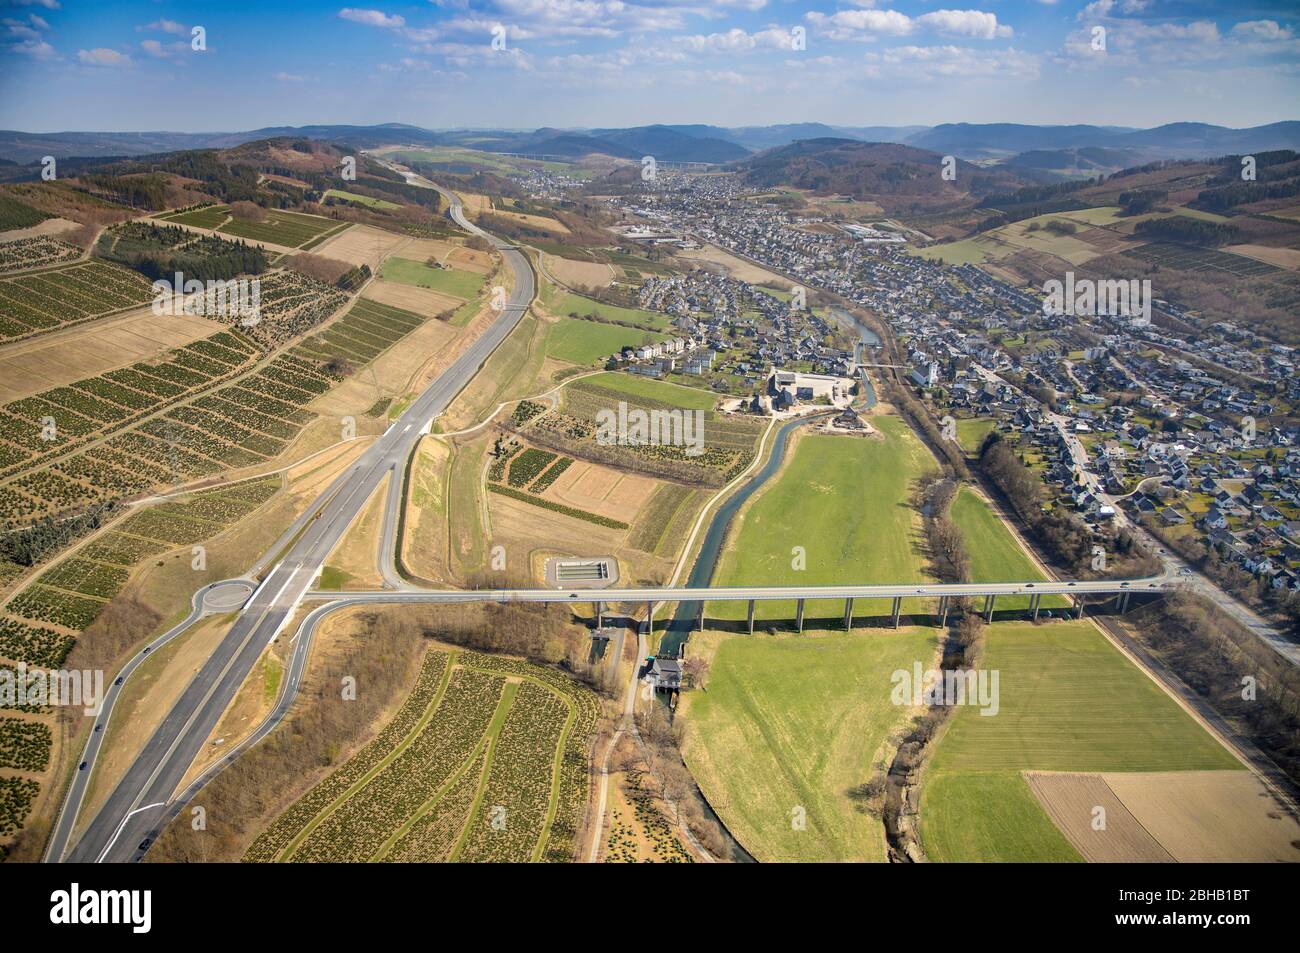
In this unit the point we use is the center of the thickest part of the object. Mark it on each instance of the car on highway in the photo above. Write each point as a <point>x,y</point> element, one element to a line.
<point>82,766</point>
<point>99,727</point>
<point>119,680</point>
<point>144,844</point>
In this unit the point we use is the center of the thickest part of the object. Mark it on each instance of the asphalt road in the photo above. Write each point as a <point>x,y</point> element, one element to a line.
<point>764,593</point>
<point>136,808</point>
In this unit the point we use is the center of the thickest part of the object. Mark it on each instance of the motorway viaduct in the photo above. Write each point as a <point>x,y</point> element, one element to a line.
<point>946,594</point>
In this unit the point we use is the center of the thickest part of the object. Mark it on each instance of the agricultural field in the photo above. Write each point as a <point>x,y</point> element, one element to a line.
<point>487,760</point>
<point>40,625</point>
<point>1068,701</point>
<point>995,555</point>
<point>630,387</point>
<point>61,419</point>
<point>27,253</point>
<point>728,440</point>
<point>208,216</point>
<point>586,342</point>
<point>1188,258</point>
<point>580,274</point>
<point>843,499</point>
<point>356,199</point>
<point>15,214</point>
<point>290,229</point>
<point>37,303</point>
<point>44,363</point>
<point>794,722</point>
<point>453,281</point>
<point>361,335</point>
<point>360,245</point>
<point>571,305</point>
<point>1166,816</point>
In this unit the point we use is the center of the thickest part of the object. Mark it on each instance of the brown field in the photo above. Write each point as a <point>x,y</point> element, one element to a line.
<point>53,227</point>
<point>357,553</point>
<point>474,204</point>
<point>360,245</point>
<point>423,301</point>
<point>469,259</point>
<point>1071,799</point>
<point>424,541</point>
<point>583,274</point>
<point>1209,816</point>
<point>87,350</point>
<point>531,534</point>
<point>422,249</point>
<point>534,221</point>
<point>1288,258</point>
<point>402,368</point>
<point>735,267</point>
<point>601,490</point>
<point>1188,816</point>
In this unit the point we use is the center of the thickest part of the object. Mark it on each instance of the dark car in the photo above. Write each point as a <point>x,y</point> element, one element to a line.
<point>99,727</point>
<point>144,844</point>
<point>118,681</point>
<point>82,766</point>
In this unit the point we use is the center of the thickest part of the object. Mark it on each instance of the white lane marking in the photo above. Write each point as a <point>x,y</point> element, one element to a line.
<point>117,833</point>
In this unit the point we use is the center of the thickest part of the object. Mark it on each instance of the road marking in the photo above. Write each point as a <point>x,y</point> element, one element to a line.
<point>118,832</point>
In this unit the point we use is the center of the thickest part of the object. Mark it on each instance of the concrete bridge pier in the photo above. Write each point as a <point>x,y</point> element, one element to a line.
<point>751,616</point>
<point>898,609</point>
<point>600,618</point>
<point>1123,602</point>
<point>699,619</point>
<point>1078,604</point>
<point>799,614</point>
<point>1034,600</point>
<point>989,600</point>
<point>650,618</point>
<point>848,615</point>
<point>943,611</point>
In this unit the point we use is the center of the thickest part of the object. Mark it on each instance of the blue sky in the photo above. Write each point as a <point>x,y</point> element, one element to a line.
<point>130,65</point>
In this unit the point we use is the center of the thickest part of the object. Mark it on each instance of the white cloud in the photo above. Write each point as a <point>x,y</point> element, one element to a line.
<point>47,4</point>
<point>26,37</point>
<point>289,78</point>
<point>166,26</point>
<point>927,62</point>
<point>869,24</point>
<point>102,56</point>
<point>973,23</point>
<point>373,18</point>
<point>737,39</point>
<point>1261,30</point>
<point>861,24</point>
<point>160,50</point>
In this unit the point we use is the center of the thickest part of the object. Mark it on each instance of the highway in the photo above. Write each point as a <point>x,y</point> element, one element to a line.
<point>1091,587</point>
<point>135,808</point>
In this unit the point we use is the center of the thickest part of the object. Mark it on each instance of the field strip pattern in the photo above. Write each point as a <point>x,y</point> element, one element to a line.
<point>485,760</point>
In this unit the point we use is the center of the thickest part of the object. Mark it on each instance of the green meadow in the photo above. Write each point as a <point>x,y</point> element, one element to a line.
<point>788,725</point>
<point>845,501</point>
<point>1068,700</point>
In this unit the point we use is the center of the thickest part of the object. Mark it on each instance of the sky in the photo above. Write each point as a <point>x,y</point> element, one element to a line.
<point>134,65</point>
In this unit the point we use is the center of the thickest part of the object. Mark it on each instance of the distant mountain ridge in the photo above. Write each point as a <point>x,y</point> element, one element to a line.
<point>696,142</point>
